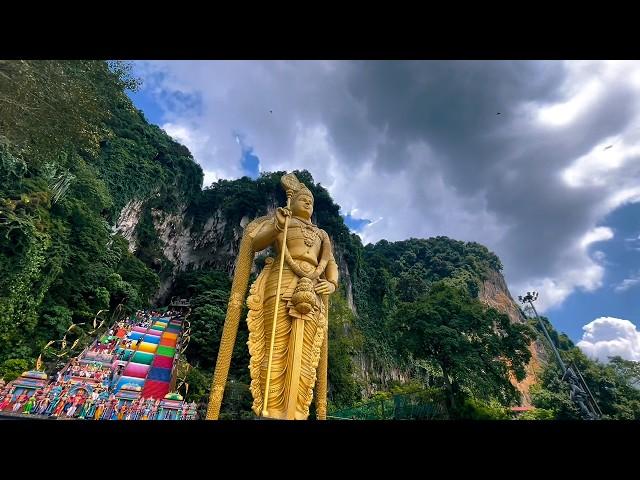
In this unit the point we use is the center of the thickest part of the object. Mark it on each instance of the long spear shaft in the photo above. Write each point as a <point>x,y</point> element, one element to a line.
<point>265,403</point>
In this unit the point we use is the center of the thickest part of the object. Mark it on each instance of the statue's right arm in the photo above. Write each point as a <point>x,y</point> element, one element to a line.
<point>265,236</point>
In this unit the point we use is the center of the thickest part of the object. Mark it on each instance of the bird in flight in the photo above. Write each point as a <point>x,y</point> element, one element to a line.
<point>270,111</point>
<point>498,113</point>
<point>607,148</point>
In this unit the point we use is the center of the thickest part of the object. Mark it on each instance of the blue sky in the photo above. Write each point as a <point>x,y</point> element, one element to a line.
<point>155,106</point>
<point>144,100</point>
<point>537,160</point>
<point>622,259</point>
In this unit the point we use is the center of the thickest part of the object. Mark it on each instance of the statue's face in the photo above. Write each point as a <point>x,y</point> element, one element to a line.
<point>302,206</point>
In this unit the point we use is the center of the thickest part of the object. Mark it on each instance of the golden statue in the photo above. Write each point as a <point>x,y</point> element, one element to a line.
<point>288,311</point>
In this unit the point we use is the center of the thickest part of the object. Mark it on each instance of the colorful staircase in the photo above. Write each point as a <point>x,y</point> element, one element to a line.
<point>146,379</point>
<point>150,365</point>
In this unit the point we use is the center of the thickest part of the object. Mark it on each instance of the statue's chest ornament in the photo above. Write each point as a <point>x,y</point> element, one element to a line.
<point>310,234</point>
<point>312,237</point>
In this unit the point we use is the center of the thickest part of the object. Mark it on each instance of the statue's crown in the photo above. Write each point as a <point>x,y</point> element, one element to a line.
<point>293,186</point>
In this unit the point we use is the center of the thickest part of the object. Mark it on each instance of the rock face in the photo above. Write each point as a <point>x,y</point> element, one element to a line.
<point>371,375</point>
<point>214,245</point>
<point>345,277</point>
<point>494,292</point>
<point>128,221</point>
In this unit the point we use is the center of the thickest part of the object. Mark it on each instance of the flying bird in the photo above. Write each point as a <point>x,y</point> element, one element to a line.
<point>498,113</point>
<point>270,111</point>
<point>607,148</point>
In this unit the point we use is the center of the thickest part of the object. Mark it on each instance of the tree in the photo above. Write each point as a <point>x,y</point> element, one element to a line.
<point>209,292</point>
<point>612,385</point>
<point>345,340</point>
<point>13,367</point>
<point>412,283</point>
<point>475,347</point>
<point>49,106</point>
<point>627,370</point>
<point>73,152</point>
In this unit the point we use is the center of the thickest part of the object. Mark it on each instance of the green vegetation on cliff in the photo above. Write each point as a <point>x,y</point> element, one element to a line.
<point>392,273</point>
<point>470,348</point>
<point>73,152</point>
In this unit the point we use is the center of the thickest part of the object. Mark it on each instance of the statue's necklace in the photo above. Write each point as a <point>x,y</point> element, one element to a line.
<point>309,232</point>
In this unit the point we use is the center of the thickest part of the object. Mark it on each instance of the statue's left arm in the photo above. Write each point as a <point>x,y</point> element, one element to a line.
<point>331,272</point>
<point>329,283</point>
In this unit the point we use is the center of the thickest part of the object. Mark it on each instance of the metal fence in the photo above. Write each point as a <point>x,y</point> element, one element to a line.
<point>399,407</point>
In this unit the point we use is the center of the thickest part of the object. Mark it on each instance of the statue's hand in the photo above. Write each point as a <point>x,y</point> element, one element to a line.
<point>281,214</point>
<point>324,287</point>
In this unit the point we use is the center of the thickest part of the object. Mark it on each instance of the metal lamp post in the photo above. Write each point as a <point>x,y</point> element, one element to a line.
<point>580,393</point>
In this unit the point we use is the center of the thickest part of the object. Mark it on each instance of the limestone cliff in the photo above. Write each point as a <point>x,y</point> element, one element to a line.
<point>215,245</point>
<point>128,221</point>
<point>212,245</point>
<point>494,292</point>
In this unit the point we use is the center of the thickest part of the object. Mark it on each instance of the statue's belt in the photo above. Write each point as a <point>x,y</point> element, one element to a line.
<point>306,267</point>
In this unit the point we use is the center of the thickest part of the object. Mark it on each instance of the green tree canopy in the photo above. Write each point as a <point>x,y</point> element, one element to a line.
<point>475,348</point>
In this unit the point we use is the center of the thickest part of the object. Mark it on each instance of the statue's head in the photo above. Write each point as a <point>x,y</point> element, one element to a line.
<point>302,203</point>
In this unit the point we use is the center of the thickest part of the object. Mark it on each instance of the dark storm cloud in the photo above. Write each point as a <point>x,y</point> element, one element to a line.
<point>453,107</point>
<point>419,148</point>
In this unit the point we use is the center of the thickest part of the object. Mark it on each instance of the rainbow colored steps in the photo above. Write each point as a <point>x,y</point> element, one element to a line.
<point>151,361</point>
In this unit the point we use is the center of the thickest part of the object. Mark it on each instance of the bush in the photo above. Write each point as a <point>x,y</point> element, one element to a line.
<point>538,414</point>
<point>14,367</point>
<point>473,409</point>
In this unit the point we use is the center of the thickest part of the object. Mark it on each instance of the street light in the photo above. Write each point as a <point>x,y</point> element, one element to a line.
<point>577,385</point>
<point>531,297</point>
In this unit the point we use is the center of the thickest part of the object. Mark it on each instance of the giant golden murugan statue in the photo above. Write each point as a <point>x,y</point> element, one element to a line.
<point>288,311</point>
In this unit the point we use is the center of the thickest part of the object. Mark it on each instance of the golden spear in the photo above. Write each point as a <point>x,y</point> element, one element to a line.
<point>290,191</point>
<point>244,262</point>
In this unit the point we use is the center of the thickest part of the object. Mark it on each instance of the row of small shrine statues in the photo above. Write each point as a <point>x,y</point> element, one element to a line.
<point>69,402</point>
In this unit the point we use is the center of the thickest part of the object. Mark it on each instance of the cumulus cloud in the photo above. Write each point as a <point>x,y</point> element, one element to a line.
<point>581,271</point>
<point>609,336</point>
<point>628,283</point>
<point>419,150</point>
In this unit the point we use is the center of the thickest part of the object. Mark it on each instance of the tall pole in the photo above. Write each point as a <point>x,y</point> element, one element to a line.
<point>544,329</point>
<point>588,390</point>
<point>568,376</point>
